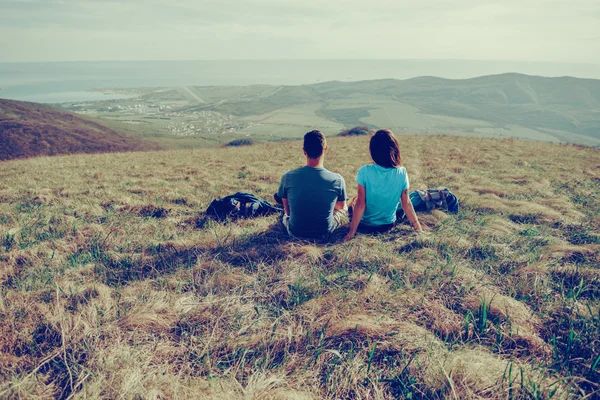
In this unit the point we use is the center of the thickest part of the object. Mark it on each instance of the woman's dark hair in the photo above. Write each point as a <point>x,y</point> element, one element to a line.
<point>384,148</point>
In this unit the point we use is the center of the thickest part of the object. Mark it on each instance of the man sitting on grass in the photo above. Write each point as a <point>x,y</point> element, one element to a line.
<point>314,198</point>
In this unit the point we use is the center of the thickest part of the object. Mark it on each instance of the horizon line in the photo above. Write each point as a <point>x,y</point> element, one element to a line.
<point>303,59</point>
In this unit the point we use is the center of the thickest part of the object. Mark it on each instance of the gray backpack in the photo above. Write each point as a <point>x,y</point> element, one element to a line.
<point>440,198</point>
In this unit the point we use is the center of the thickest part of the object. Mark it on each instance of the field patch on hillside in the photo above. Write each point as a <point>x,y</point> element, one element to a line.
<point>291,122</point>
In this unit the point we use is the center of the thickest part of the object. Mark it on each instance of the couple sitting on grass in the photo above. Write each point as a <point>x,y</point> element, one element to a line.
<point>314,198</point>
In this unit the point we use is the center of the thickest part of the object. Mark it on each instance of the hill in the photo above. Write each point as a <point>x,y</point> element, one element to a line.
<point>111,285</point>
<point>561,109</point>
<point>560,104</point>
<point>31,129</point>
<point>493,103</point>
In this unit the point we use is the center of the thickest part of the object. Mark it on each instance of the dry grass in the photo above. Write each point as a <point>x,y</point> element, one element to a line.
<point>33,130</point>
<point>110,287</point>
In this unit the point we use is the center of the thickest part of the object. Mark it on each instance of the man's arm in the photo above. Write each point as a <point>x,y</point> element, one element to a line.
<point>286,207</point>
<point>282,193</point>
<point>341,204</point>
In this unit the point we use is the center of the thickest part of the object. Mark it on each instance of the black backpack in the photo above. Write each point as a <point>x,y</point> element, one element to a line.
<point>240,205</point>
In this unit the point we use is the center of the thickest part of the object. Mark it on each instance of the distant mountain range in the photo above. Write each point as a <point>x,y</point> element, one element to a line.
<point>509,105</point>
<point>31,129</point>
<point>564,108</point>
<point>569,104</point>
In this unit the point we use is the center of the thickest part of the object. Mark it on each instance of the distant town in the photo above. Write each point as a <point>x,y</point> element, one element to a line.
<point>171,111</point>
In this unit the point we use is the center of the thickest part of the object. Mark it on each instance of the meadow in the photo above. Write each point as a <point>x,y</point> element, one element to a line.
<point>113,285</point>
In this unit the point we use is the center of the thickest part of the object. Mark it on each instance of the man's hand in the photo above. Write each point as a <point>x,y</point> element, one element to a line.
<point>340,205</point>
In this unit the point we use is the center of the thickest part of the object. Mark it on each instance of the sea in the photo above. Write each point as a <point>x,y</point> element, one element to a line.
<point>58,82</point>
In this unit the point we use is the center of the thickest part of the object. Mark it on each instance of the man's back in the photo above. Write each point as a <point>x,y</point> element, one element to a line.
<point>311,194</point>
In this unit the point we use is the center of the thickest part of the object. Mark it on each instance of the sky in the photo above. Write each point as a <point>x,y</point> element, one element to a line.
<point>90,30</point>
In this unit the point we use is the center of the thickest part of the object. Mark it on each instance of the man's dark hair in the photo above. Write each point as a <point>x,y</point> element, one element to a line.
<point>314,144</point>
<point>384,148</point>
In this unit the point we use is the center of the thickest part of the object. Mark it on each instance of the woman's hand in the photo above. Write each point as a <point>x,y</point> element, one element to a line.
<point>349,236</point>
<point>358,209</point>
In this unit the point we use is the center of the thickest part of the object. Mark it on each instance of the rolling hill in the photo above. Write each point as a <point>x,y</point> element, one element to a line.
<point>561,109</point>
<point>562,104</point>
<point>551,109</point>
<point>31,129</point>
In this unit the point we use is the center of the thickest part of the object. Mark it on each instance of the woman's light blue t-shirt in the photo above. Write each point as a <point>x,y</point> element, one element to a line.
<point>383,187</point>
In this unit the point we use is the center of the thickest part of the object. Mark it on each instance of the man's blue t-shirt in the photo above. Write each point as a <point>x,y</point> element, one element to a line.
<point>312,194</point>
<point>383,187</point>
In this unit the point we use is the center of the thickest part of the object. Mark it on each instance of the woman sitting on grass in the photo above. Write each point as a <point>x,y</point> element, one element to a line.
<point>380,187</point>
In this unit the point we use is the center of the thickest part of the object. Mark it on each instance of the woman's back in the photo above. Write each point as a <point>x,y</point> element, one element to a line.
<point>383,187</point>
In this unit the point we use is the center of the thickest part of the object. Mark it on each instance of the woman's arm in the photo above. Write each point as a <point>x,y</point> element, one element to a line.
<point>357,212</point>
<point>410,212</point>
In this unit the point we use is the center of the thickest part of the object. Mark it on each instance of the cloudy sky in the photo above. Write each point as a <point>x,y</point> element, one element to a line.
<point>528,30</point>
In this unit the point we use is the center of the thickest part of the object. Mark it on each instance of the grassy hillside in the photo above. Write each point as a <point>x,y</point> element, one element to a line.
<point>111,286</point>
<point>565,103</point>
<point>31,129</point>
